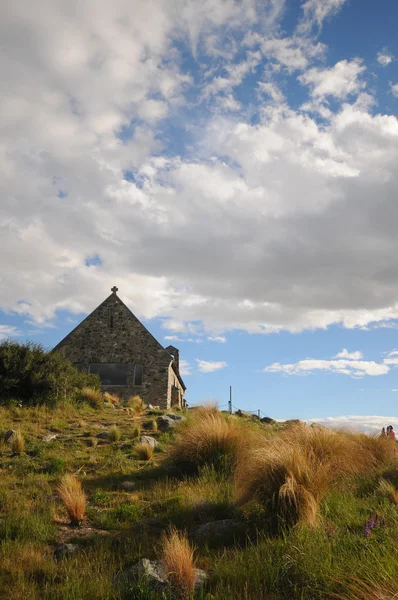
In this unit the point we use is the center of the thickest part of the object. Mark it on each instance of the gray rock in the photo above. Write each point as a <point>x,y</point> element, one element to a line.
<point>50,437</point>
<point>268,420</point>
<point>166,423</point>
<point>104,435</point>
<point>147,439</point>
<point>155,576</point>
<point>176,417</point>
<point>9,434</point>
<point>127,486</point>
<point>225,530</point>
<point>109,405</point>
<point>65,550</point>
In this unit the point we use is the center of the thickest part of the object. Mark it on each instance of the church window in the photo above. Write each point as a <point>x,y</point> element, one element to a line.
<point>138,372</point>
<point>110,373</point>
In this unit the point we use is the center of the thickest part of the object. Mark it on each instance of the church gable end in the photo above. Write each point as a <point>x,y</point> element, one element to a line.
<point>112,342</point>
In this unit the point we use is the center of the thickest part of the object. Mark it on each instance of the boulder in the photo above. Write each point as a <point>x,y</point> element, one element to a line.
<point>166,423</point>
<point>65,550</point>
<point>153,572</point>
<point>50,437</point>
<point>268,420</point>
<point>148,439</point>
<point>8,435</point>
<point>104,435</point>
<point>127,486</point>
<point>176,417</point>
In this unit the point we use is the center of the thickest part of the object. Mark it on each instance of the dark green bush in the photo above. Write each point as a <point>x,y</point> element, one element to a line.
<point>32,376</point>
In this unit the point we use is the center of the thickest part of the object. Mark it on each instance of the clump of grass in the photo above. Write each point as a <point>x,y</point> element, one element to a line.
<point>368,590</point>
<point>154,424</point>
<point>111,398</point>
<point>178,558</point>
<point>92,397</point>
<point>144,451</point>
<point>209,438</point>
<point>17,442</point>
<point>72,495</point>
<point>114,433</point>
<point>291,473</point>
<point>136,432</point>
<point>92,442</point>
<point>388,490</point>
<point>136,403</point>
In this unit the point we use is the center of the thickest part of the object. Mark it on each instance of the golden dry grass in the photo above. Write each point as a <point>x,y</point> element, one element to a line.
<point>136,403</point>
<point>72,495</point>
<point>136,432</point>
<point>388,490</point>
<point>114,433</point>
<point>92,397</point>
<point>17,442</point>
<point>144,451</point>
<point>178,557</point>
<point>291,473</point>
<point>209,437</point>
<point>369,590</point>
<point>111,398</point>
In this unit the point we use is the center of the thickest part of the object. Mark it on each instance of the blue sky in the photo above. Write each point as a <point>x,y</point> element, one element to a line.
<point>231,166</point>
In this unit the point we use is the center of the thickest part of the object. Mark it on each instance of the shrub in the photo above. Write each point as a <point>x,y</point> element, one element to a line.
<point>114,433</point>
<point>111,398</point>
<point>209,438</point>
<point>17,442</point>
<point>33,376</point>
<point>144,451</point>
<point>92,396</point>
<point>136,403</point>
<point>291,473</point>
<point>55,466</point>
<point>72,495</point>
<point>136,432</point>
<point>178,557</point>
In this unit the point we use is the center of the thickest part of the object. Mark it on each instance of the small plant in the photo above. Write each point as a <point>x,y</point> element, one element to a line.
<point>136,432</point>
<point>55,466</point>
<point>92,442</point>
<point>17,442</point>
<point>178,558</point>
<point>111,398</point>
<point>154,425</point>
<point>114,433</point>
<point>72,495</point>
<point>92,397</point>
<point>144,451</point>
<point>136,403</point>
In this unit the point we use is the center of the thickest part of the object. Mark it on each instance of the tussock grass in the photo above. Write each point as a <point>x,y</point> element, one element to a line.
<point>368,590</point>
<point>144,451</point>
<point>209,438</point>
<point>291,473</point>
<point>17,443</point>
<point>92,397</point>
<point>72,495</point>
<point>178,557</point>
<point>136,403</point>
<point>136,432</point>
<point>111,398</point>
<point>388,490</point>
<point>114,433</point>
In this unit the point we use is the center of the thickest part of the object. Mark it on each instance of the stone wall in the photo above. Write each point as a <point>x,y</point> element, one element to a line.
<point>112,334</point>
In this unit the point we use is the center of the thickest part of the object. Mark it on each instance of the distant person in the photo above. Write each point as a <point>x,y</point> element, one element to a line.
<point>383,433</point>
<point>391,433</point>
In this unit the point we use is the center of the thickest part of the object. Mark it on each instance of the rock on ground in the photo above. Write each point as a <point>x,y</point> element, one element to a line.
<point>148,439</point>
<point>226,530</point>
<point>127,486</point>
<point>104,435</point>
<point>176,417</point>
<point>65,550</point>
<point>50,437</point>
<point>8,435</point>
<point>109,405</point>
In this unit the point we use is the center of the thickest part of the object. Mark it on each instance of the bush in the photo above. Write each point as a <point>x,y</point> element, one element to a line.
<point>291,473</point>
<point>114,433</point>
<point>72,495</point>
<point>178,557</point>
<point>209,438</point>
<point>33,376</point>
<point>136,403</point>
<point>144,451</point>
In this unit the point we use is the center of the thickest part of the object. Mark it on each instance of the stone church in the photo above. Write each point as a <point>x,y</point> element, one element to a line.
<point>113,343</point>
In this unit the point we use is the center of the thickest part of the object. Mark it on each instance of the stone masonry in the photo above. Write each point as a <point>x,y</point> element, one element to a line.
<point>111,334</point>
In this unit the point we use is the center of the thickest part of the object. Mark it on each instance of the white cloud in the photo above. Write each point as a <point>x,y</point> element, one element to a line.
<point>206,366</point>
<point>316,11</point>
<point>339,81</point>
<point>185,368</point>
<point>175,338</point>
<point>350,355</point>
<point>384,58</point>
<point>217,338</point>
<point>8,331</point>
<point>366,424</point>
<point>394,89</point>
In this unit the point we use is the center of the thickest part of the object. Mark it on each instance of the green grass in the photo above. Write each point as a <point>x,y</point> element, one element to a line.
<point>296,563</point>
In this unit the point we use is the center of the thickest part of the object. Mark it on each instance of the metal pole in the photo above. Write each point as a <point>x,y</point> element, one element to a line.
<point>230,400</point>
<point>258,413</point>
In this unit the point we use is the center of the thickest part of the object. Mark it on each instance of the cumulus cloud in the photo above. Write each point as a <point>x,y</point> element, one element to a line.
<point>366,424</point>
<point>221,339</point>
<point>201,214</point>
<point>346,363</point>
<point>206,366</point>
<point>316,11</point>
<point>185,368</point>
<point>384,58</point>
<point>394,89</point>
<point>7,331</point>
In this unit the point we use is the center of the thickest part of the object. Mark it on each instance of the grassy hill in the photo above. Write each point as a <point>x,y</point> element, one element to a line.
<point>312,514</point>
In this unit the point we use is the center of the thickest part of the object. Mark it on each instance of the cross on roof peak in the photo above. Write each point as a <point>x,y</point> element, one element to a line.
<point>114,289</point>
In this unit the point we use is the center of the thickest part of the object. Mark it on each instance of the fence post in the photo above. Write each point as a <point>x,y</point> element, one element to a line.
<point>230,400</point>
